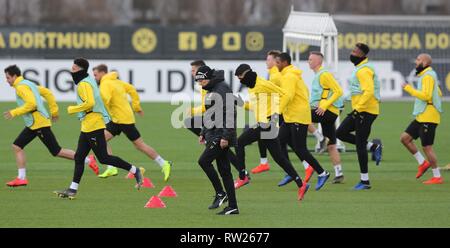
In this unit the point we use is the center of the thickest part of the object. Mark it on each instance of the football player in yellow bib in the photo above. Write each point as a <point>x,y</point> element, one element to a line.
<point>365,91</point>
<point>427,112</point>
<point>325,104</point>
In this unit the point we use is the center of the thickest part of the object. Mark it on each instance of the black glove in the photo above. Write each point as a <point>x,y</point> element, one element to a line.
<point>354,113</point>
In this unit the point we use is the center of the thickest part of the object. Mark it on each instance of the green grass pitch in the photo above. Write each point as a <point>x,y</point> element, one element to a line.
<point>397,199</point>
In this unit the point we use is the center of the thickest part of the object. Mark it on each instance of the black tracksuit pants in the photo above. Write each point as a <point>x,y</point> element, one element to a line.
<point>294,135</point>
<point>262,149</point>
<point>361,124</point>
<point>192,124</point>
<point>96,141</point>
<point>212,152</point>
<point>254,134</point>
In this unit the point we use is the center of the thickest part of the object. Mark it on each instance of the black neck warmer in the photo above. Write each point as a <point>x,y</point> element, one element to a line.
<point>420,69</point>
<point>79,75</point>
<point>249,79</point>
<point>356,60</point>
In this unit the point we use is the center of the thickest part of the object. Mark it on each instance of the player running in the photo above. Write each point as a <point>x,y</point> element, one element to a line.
<point>93,116</point>
<point>427,110</point>
<point>325,104</point>
<point>114,93</point>
<point>37,121</point>
<point>365,91</point>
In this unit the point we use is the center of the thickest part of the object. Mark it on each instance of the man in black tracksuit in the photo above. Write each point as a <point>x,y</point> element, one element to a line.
<point>218,134</point>
<point>194,123</point>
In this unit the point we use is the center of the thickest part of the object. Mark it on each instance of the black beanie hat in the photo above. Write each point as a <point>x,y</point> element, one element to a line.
<point>363,47</point>
<point>241,69</point>
<point>204,73</point>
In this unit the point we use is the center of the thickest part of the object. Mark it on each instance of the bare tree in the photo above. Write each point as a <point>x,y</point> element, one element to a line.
<point>196,12</point>
<point>77,12</point>
<point>18,12</point>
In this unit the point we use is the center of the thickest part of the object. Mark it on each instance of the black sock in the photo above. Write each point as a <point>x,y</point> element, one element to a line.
<point>242,174</point>
<point>298,181</point>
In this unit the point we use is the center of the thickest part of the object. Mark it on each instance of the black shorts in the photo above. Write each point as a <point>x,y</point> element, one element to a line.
<point>327,121</point>
<point>129,130</point>
<point>45,134</point>
<point>424,130</point>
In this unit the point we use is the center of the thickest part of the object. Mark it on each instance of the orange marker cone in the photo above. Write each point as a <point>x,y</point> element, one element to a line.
<point>129,176</point>
<point>167,192</point>
<point>155,202</point>
<point>147,183</point>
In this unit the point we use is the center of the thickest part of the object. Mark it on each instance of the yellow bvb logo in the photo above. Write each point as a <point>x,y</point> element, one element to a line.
<point>144,40</point>
<point>254,41</point>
